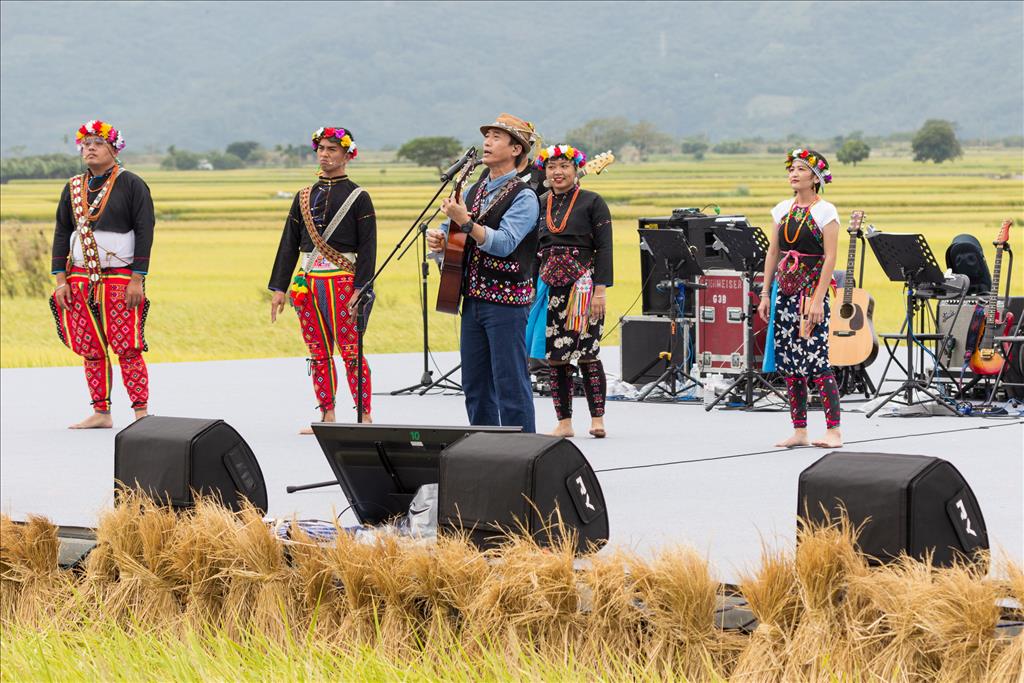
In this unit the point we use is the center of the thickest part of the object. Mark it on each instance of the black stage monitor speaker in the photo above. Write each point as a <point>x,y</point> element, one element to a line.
<point>173,458</point>
<point>380,467</point>
<point>907,503</point>
<point>497,483</point>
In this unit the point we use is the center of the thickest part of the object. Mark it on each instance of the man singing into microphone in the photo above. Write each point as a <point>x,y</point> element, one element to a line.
<point>500,214</point>
<point>333,227</point>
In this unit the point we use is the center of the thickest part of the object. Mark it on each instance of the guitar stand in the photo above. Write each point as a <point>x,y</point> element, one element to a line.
<point>1015,337</point>
<point>1010,336</point>
<point>907,258</point>
<point>854,379</point>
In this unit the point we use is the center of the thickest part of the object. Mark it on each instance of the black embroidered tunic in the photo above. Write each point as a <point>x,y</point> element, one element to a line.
<point>588,229</point>
<point>129,209</point>
<point>356,233</point>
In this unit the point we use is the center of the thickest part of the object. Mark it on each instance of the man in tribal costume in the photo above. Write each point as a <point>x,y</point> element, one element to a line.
<point>332,226</point>
<point>101,246</point>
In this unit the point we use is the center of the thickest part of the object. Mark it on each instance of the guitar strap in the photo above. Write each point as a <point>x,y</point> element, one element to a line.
<point>320,245</point>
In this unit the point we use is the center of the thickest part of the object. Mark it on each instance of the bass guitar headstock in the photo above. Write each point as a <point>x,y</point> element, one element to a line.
<point>1004,233</point>
<point>597,164</point>
<point>856,220</point>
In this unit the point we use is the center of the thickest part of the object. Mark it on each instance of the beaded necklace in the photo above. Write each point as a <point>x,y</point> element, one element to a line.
<point>102,178</point>
<point>800,225</point>
<point>565,218</point>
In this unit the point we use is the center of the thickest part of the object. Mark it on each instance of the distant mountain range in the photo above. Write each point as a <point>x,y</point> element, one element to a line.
<point>200,75</point>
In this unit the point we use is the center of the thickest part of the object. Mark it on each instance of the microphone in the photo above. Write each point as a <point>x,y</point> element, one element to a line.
<point>457,166</point>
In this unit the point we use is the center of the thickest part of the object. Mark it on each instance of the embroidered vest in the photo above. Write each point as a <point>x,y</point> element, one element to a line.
<point>501,279</point>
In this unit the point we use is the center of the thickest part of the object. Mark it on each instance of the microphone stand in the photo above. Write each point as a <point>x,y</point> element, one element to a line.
<point>363,297</point>
<point>427,378</point>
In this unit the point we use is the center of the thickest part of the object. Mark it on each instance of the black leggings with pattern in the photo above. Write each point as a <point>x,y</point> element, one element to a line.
<point>796,390</point>
<point>594,386</point>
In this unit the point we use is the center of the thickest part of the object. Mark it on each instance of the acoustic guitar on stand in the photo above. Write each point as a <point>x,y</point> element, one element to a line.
<point>987,359</point>
<point>453,263</point>
<point>851,337</point>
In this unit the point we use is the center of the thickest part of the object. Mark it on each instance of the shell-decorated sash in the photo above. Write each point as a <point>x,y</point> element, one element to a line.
<point>87,213</point>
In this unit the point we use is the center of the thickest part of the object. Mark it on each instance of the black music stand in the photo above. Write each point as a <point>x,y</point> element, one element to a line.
<point>680,259</point>
<point>746,247</point>
<point>380,467</point>
<point>907,258</point>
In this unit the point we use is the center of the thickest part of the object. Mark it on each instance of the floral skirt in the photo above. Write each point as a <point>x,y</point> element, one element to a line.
<point>565,345</point>
<point>796,356</point>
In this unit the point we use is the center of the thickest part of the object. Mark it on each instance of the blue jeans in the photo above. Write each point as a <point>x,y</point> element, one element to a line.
<point>495,376</point>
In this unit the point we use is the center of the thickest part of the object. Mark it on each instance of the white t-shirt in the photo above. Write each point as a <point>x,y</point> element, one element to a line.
<point>822,212</point>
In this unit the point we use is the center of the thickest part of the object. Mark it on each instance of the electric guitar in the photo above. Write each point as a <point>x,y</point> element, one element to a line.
<point>597,164</point>
<point>852,339</point>
<point>453,263</point>
<point>986,358</point>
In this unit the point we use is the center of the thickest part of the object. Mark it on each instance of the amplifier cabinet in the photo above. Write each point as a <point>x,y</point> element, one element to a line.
<point>643,338</point>
<point>955,321</point>
<point>698,230</point>
<point>721,334</point>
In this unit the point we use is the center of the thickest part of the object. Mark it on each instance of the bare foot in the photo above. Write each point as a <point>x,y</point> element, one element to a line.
<point>799,438</point>
<point>367,420</point>
<point>95,421</point>
<point>597,427</point>
<point>833,439</point>
<point>141,413</point>
<point>328,416</point>
<point>563,428</point>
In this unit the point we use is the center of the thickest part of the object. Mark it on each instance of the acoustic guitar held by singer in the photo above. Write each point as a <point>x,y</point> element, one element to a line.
<point>449,287</point>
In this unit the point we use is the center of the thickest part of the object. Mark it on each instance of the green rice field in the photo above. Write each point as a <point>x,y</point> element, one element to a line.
<point>217,234</point>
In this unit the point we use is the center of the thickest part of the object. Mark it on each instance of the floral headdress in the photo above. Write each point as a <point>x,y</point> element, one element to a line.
<point>344,138</point>
<point>573,154</point>
<point>815,161</point>
<point>103,130</point>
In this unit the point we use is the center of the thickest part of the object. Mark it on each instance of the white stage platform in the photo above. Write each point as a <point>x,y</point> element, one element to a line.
<point>671,473</point>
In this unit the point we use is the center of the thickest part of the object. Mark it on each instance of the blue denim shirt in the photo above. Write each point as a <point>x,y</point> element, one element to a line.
<point>520,218</point>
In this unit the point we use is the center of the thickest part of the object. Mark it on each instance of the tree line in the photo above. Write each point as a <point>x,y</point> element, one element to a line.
<point>239,154</point>
<point>935,141</point>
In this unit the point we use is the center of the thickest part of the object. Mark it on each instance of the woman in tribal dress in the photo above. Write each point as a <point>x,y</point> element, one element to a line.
<point>567,320</point>
<point>794,299</point>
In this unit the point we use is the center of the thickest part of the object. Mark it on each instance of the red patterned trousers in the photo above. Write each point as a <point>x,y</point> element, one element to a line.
<point>326,323</point>
<point>90,328</point>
